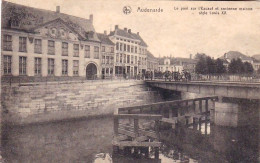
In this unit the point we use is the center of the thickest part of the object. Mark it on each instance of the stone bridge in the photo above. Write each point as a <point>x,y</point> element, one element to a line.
<point>222,89</point>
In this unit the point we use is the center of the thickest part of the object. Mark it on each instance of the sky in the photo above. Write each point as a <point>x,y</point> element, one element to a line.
<point>172,32</point>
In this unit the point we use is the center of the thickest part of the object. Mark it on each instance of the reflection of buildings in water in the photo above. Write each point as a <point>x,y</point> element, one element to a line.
<point>235,115</point>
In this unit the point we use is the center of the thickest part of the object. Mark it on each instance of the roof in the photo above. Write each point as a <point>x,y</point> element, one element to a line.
<point>124,33</point>
<point>104,39</point>
<point>185,60</point>
<point>234,55</point>
<point>256,57</point>
<point>29,18</point>
<point>177,61</point>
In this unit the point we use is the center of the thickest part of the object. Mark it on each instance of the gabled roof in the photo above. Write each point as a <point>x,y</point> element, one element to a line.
<point>29,18</point>
<point>235,55</point>
<point>124,33</point>
<point>178,61</point>
<point>185,60</point>
<point>150,56</point>
<point>105,39</point>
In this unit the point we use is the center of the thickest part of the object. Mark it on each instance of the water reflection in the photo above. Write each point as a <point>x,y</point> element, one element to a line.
<point>90,141</point>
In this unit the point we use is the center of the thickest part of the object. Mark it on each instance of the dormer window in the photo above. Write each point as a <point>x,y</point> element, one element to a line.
<point>14,22</point>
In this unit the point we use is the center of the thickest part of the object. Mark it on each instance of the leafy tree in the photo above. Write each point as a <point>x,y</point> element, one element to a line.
<point>200,55</point>
<point>236,66</point>
<point>220,68</point>
<point>211,66</point>
<point>201,66</point>
<point>248,68</point>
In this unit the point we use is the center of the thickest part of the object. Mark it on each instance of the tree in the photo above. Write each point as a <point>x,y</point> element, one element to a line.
<point>236,66</point>
<point>248,68</point>
<point>201,66</point>
<point>211,66</point>
<point>220,68</point>
<point>200,55</point>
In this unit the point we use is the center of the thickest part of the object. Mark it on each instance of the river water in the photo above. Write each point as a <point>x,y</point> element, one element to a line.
<point>232,137</point>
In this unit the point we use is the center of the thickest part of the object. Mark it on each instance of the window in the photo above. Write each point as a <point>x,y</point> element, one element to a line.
<point>135,49</point>
<point>111,71</point>
<point>128,48</point>
<point>132,49</point>
<point>111,60</point>
<point>96,52</point>
<point>38,46</point>
<point>107,59</point>
<point>103,59</point>
<point>128,58</point>
<point>112,50</point>
<point>51,66</point>
<point>117,58</point>
<point>135,59</point>
<point>120,46</point>
<point>64,67</point>
<point>51,47</point>
<point>7,44</point>
<point>121,58</point>
<point>76,50</point>
<point>7,64</point>
<point>117,46</point>
<point>103,49</point>
<point>65,47</point>
<point>87,51</point>
<point>37,66</point>
<point>75,67</point>
<point>124,47</point>
<point>22,44</point>
<point>132,59</point>
<point>22,65</point>
<point>124,58</point>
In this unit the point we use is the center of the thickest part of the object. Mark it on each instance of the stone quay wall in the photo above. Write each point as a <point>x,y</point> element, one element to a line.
<point>44,102</point>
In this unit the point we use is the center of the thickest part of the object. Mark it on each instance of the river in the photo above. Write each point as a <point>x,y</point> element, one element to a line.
<point>89,140</point>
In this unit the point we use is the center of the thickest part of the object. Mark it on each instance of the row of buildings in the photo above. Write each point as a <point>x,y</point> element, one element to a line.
<point>42,43</point>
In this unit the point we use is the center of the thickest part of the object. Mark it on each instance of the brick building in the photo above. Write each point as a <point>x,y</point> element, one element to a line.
<point>39,43</point>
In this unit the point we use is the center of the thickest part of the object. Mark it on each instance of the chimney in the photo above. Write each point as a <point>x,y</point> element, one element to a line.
<point>57,9</point>
<point>138,33</point>
<point>190,56</point>
<point>91,18</point>
<point>129,31</point>
<point>225,55</point>
<point>105,32</point>
<point>116,27</point>
<point>125,29</point>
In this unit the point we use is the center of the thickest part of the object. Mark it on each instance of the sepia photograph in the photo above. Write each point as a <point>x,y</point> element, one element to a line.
<point>130,81</point>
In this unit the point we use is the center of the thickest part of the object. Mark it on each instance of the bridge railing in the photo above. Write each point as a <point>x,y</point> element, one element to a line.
<point>170,108</point>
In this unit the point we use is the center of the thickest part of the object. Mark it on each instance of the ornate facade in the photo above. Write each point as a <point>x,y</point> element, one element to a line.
<point>42,43</point>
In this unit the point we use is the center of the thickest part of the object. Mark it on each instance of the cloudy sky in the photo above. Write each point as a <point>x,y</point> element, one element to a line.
<point>176,33</point>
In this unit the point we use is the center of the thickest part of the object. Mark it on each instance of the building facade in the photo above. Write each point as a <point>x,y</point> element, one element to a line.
<point>130,52</point>
<point>42,43</point>
<point>107,55</point>
<point>152,62</point>
<point>168,64</point>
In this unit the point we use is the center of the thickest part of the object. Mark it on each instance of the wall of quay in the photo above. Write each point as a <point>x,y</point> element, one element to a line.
<point>52,101</point>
